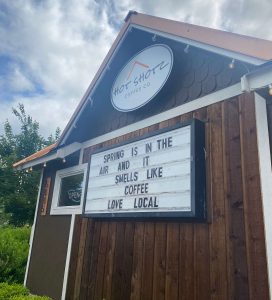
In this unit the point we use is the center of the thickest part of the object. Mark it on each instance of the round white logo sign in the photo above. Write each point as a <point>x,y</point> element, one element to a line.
<point>142,78</point>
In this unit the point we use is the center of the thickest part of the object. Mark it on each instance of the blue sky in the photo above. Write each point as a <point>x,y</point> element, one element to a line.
<point>50,50</point>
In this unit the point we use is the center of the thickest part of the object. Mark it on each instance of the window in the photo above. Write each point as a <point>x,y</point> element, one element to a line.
<point>69,190</point>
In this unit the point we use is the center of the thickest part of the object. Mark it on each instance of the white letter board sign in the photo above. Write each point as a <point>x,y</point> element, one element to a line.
<point>161,174</point>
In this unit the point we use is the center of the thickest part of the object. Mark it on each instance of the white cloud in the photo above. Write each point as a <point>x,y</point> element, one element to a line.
<point>250,17</point>
<point>61,45</point>
<point>55,47</point>
<point>18,81</point>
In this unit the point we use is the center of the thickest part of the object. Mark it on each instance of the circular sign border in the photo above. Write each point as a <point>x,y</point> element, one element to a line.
<point>162,85</point>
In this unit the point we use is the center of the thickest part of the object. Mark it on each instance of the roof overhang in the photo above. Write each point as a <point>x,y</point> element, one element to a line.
<point>55,153</point>
<point>237,43</point>
<point>201,45</point>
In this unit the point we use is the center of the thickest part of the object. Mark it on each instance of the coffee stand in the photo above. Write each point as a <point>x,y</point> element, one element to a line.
<point>160,186</point>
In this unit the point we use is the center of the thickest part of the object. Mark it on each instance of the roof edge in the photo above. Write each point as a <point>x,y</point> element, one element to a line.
<point>47,154</point>
<point>130,13</point>
<point>247,45</point>
<point>35,155</point>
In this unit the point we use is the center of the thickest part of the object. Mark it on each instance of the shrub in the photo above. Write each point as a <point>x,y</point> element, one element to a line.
<point>17,292</point>
<point>30,297</point>
<point>13,253</point>
<point>7,291</point>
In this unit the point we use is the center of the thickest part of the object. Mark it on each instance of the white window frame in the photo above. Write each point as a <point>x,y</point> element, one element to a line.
<point>68,210</point>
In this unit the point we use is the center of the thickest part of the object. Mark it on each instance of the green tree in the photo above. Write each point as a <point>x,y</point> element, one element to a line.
<point>18,189</point>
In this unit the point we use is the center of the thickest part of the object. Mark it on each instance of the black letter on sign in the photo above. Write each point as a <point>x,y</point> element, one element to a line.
<point>145,161</point>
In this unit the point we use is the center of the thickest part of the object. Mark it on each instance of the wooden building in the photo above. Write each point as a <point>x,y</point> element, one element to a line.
<point>160,185</point>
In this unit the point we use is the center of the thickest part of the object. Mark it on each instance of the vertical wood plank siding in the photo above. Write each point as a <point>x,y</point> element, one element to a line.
<point>223,258</point>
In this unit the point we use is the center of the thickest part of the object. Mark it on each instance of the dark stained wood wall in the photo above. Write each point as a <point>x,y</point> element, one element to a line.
<point>223,258</point>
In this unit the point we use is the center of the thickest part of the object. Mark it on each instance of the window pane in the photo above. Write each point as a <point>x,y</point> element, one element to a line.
<point>70,190</point>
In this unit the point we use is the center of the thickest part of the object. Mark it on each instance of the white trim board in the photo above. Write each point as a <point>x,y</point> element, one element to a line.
<point>80,161</point>
<point>265,177</point>
<point>257,79</point>
<point>204,101</point>
<point>33,229</point>
<point>207,100</point>
<point>68,257</point>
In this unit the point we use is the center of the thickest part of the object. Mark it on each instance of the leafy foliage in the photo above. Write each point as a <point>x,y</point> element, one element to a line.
<point>30,297</point>
<point>8,291</point>
<point>17,292</point>
<point>18,189</point>
<point>13,254</point>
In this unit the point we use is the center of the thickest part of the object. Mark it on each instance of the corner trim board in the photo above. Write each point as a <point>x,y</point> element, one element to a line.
<point>265,177</point>
<point>68,257</point>
<point>33,229</point>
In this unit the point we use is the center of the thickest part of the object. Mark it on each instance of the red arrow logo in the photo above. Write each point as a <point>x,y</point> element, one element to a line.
<point>134,64</point>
